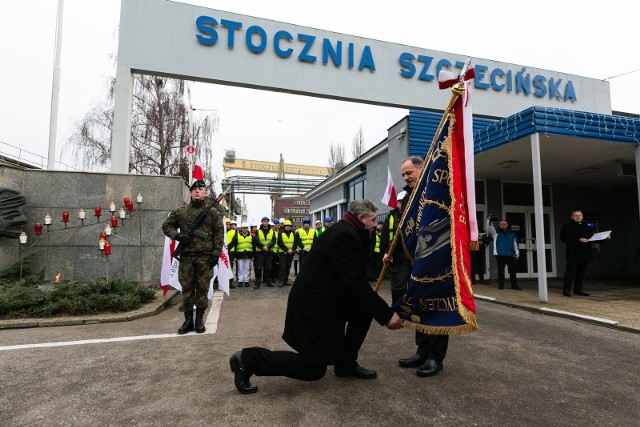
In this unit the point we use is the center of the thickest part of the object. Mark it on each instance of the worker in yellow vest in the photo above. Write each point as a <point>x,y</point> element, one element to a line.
<point>318,228</point>
<point>400,265</point>
<point>275,261</point>
<point>231,227</point>
<point>307,236</point>
<point>242,245</point>
<point>375,256</point>
<point>288,241</point>
<point>264,241</point>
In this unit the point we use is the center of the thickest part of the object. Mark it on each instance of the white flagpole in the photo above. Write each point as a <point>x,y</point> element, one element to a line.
<point>55,90</point>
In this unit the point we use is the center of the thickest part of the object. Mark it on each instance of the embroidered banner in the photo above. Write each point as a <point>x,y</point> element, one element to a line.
<point>436,236</point>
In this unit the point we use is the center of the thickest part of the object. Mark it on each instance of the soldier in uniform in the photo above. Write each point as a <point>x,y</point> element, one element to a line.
<point>199,256</point>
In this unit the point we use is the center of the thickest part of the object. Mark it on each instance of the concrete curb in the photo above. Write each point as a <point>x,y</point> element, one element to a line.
<point>147,310</point>
<point>561,313</point>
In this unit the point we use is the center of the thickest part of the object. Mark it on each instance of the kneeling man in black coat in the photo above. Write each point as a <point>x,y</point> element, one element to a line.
<point>329,310</point>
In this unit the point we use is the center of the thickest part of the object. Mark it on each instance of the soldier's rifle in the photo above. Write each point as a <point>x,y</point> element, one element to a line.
<point>193,230</point>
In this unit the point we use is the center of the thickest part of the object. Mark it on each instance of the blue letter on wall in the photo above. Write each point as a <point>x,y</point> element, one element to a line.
<point>205,25</point>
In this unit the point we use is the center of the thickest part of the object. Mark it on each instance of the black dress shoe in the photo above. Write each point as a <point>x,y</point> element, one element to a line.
<point>430,368</point>
<point>582,293</point>
<point>358,372</point>
<point>240,376</point>
<point>413,361</point>
<point>566,293</point>
<point>516,287</point>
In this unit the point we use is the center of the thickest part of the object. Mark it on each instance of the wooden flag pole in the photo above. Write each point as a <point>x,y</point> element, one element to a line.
<point>457,89</point>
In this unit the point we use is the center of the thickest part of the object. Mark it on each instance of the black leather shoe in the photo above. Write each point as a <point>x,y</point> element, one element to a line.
<point>240,376</point>
<point>430,368</point>
<point>582,293</point>
<point>500,286</point>
<point>257,285</point>
<point>516,287</point>
<point>566,293</point>
<point>269,285</point>
<point>413,361</point>
<point>358,372</point>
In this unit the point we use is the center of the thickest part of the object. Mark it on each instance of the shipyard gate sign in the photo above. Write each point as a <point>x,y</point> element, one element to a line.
<point>195,43</point>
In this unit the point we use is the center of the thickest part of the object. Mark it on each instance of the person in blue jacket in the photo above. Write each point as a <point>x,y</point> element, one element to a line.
<point>505,249</point>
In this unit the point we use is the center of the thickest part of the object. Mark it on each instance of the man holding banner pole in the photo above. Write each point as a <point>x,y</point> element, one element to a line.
<point>437,232</point>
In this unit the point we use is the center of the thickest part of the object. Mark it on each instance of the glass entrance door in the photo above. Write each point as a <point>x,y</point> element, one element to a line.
<point>522,222</point>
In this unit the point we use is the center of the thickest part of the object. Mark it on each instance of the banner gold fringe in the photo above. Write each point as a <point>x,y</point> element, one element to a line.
<point>475,246</point>
<point>441,330</point>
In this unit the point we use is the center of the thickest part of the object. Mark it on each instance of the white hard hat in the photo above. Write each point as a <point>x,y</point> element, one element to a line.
<point>401,196</point>
<point>318,222</point>
<point>281,220</point>
<point>243,225</point>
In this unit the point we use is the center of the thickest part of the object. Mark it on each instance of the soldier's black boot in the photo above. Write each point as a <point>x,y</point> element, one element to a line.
<point>187,326</point>
<point>200,320</point>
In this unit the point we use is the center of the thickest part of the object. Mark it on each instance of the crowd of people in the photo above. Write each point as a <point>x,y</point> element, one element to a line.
<point>273,247</point>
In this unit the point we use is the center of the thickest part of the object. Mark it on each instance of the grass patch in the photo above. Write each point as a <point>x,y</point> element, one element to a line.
<point>31,297</point>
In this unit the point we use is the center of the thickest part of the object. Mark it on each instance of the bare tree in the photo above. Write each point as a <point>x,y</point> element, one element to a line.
<point>336,158</point>
<point>159,130</point>
<point>357,145</point>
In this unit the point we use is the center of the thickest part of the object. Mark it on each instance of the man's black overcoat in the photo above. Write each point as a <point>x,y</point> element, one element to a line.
<point>571,234</point>
<point>331,287</point>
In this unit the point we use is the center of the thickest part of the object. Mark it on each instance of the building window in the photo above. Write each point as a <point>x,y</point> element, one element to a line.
<point>521,194</point>
<point>356,188</point>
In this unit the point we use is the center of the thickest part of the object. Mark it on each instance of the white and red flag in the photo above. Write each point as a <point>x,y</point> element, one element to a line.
<point>223,270</point>
<point>169,271</point>
<point>389,196</point>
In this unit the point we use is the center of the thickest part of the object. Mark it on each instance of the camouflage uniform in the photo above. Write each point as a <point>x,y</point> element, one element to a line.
<point>195,270</point>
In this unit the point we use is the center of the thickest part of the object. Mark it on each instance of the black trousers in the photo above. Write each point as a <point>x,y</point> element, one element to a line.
<point>263,264</point>
<point>285,267</point>
<point>433,346</point>
<point>263,362</point>
<point>575,271</point>
<point>400,271</point>
<point>510,262</point>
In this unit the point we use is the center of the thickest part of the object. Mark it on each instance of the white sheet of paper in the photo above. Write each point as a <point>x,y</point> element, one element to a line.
<point>600,236</point>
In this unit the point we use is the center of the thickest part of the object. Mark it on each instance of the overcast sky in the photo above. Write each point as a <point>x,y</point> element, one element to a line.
<point>568,37</point>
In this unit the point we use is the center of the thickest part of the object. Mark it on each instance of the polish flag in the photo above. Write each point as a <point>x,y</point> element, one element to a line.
<point>389,197</point>
<point>223,270</point>
<point>197,173</point>
<point>169,271</point>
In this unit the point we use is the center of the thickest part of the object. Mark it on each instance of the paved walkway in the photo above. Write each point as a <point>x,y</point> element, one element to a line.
<point>614,304</point>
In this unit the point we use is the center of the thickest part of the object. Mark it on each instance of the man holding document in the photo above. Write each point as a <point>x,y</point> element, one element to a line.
<point>578,236</point>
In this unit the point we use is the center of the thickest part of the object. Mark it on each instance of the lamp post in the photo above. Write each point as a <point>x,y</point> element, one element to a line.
<point>139,202</point>
<point>107,252</point>
<point>23,241</point>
